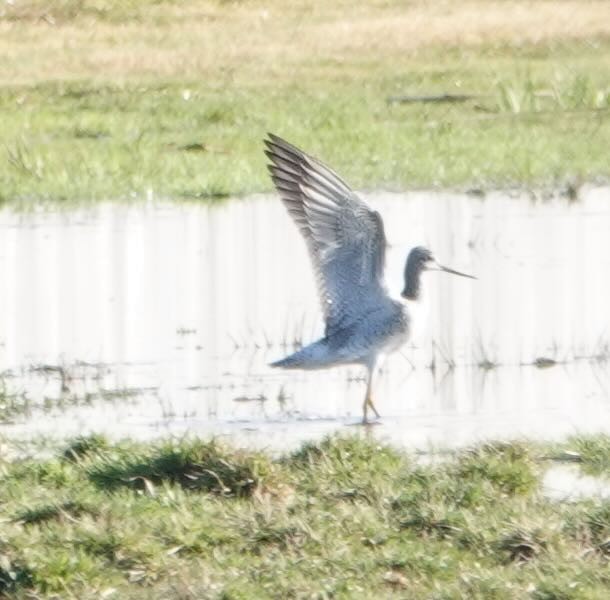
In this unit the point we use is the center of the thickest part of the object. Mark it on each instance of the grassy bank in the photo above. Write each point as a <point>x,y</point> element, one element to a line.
<point>345,518</point>
<point>110,99</point>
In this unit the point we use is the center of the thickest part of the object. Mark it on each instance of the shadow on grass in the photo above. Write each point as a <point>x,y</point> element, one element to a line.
<point>14,576</point>
<point>200,466</point>
<point>84,446</point>
<point>69,510</point>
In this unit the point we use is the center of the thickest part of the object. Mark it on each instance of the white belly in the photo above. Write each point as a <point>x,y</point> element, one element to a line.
<point>395,343</point>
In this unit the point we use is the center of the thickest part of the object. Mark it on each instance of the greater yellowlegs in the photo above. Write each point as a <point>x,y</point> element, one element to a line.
<point>346,243</point>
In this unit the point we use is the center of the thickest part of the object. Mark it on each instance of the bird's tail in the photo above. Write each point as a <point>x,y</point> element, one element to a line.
<point>289,362</point>
<point>313,356</point>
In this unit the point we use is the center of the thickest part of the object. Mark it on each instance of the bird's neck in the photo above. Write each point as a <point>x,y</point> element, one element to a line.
<point>412,290</point>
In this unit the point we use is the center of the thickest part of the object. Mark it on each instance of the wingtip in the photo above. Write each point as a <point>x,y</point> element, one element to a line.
<point>269,153</point>
<point>274,142</point>
<point>271,139</point>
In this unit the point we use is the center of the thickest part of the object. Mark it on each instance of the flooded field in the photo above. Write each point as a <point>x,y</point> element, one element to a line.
<point>149,319</point>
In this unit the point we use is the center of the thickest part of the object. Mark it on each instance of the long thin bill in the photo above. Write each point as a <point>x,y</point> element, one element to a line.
<point>448,270</point>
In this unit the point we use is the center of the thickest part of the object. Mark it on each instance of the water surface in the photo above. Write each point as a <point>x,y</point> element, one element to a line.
<point>159,318</point>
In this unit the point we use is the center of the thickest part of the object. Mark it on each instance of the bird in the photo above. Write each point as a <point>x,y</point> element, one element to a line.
<point>346,243</point>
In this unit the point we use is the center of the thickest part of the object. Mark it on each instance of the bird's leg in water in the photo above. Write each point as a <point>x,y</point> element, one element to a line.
<point>365,408</point>
<point>368,399</point>
<point>369,402</point>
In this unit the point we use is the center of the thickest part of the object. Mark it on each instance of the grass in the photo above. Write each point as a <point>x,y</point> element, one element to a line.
<point>108,99</point>
<point>593,452</point>
<point>344,518</point>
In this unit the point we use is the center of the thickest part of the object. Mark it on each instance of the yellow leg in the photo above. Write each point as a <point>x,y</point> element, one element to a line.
<point>368,400</point>
<point>370,403</point>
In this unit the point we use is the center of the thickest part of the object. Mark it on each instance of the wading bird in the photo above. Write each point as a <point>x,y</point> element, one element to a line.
<point>346,243</point>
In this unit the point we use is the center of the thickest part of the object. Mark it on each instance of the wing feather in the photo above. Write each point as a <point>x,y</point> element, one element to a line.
<point>345,238</point>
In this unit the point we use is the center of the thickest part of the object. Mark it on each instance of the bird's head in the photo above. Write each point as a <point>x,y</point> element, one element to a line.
<point>421,259</point>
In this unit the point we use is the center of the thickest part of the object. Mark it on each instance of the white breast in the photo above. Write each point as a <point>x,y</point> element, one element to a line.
<point>419,327</point>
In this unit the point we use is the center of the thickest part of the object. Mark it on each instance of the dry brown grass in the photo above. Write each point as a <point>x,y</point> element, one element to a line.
<point>242,41</point>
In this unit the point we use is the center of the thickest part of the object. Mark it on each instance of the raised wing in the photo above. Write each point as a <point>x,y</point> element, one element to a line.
<point>345,238</point>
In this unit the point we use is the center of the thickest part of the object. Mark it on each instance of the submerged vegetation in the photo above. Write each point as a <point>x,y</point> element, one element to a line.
<point>111,99</point>
<point>346,517</point>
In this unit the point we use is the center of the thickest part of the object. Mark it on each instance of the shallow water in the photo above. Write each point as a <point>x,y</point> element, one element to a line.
<point>161,318</point>
<point>568,482</point>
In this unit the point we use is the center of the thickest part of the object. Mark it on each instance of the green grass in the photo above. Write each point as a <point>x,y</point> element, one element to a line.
<point>593,452</point>
<point>156,106</point>
<point>88,142</point>
<point>344,518</point>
